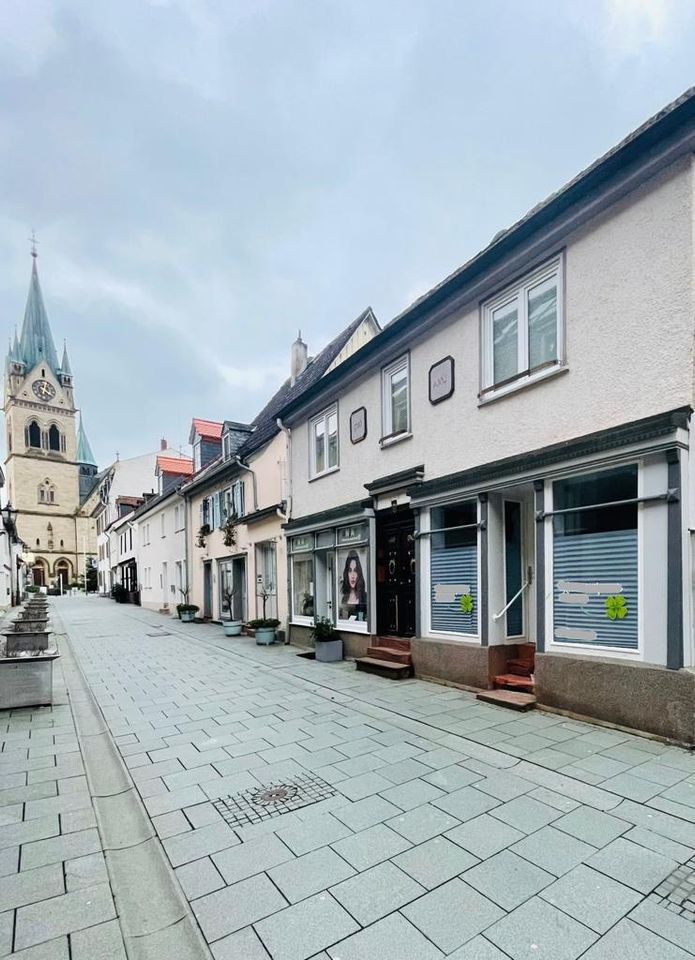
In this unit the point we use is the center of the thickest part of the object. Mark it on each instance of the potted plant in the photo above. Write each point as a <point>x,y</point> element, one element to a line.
<point>231,627</point>
<point>119,593</point>
<point>186,610</point>
<point>264,630</point>
<point>328,644</point>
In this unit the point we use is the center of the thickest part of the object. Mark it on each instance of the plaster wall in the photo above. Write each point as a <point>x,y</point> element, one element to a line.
<point>156,549</point>
<point>628,319</point>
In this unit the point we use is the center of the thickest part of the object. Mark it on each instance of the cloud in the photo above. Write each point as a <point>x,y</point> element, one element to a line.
<point>630,28</point>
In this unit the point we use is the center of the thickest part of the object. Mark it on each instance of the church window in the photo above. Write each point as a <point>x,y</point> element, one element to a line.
<point>54,438</point>
<point>47,492</point>
<point>38,542</point>
<point>34,435</point>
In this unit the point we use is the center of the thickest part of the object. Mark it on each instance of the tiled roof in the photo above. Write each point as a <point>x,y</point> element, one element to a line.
<point>181,466</point>
<point>265,424</point>
<point>209,429</point>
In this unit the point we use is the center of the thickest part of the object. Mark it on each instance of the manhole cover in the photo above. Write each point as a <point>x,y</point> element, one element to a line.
<point>677,892</point>
<point>272,800</point>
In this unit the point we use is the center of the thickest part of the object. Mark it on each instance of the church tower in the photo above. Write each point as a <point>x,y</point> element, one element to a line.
<point>50,467</point>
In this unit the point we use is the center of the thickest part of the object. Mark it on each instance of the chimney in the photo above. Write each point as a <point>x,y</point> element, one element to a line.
<point>298,359</point>
<point>162,444</point>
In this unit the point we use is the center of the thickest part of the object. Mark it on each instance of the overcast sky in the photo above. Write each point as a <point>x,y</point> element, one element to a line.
<point>207,176</point>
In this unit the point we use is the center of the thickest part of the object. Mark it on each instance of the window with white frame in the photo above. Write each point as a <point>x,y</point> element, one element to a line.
<point>395,398</point>
<point>323,436</point>
<point>163,523</point>
<point>197,454</point>
<point>238,498</point>
<point>522,328</point>
<point>454,568</point>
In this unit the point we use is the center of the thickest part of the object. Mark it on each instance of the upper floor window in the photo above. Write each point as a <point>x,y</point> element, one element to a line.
<point>47,492</point>
<point>34,435</point>
<point>196,454</point>
<point>234,500</point>
<point>395,397</point>
<point>522,329</point>
<point>164,524</point>
<point>323,431</point>
<point>54,438</point>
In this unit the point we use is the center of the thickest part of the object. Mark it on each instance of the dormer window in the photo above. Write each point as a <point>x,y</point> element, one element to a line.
<point>196,453</point>
<point>227,446</point>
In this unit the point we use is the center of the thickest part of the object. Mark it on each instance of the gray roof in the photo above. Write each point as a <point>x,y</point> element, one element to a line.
<point>84,449</point>
<point>36,344</point>
<point>265,424</point>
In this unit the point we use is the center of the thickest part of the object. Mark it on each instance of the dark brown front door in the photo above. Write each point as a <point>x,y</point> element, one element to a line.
<point>395,574</point>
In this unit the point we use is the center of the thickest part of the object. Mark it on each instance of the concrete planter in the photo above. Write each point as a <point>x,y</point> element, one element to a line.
<point>27,681</point>
<point>265,636</point>
<point>22,642</point>
<point>187,616</point>
<point>329,651</point>
<point>232,628</point>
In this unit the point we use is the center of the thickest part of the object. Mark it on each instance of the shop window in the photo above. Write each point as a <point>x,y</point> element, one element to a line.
<point>454,568</point>
<point>232,581</point>
<point>330,576</point>
<point>266,580</point>
<point>302,573</point>
<point>522,328</point>
<point>595,559</point>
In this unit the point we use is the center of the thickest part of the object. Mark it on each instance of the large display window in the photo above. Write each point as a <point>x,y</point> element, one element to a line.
<point>454,568</point>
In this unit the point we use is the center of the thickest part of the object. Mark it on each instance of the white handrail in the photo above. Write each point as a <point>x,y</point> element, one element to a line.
<point>516,596</point>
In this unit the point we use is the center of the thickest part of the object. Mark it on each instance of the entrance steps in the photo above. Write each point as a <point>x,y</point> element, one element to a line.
<point>389,657</point>
<point>508,698</point>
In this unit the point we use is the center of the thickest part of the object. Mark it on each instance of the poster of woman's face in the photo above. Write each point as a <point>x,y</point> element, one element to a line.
<point>353,584</point>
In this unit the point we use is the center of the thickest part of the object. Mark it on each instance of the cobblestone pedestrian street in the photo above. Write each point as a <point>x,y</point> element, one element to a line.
<point>192,795</point>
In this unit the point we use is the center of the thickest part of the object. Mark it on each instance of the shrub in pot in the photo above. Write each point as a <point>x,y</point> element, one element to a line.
<point>327,643</point>
<point>264,630</point>
<point>187,612</point>
<point>119,593</point>
<point>231,627</point>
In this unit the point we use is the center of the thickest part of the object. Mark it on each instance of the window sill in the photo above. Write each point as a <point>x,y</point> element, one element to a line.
<point>521,384</point>
<point>395,438</point>
<point>325,473</point>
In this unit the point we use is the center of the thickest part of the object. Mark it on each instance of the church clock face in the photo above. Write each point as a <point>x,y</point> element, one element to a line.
<point>44,390</point>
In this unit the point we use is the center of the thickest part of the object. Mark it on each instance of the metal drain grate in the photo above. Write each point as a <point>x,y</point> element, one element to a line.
<point>272,800</point>
<point>677,892</point>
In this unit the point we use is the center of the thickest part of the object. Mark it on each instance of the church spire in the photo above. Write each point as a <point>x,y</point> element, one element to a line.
<point>65,362</point>
<point>84,450</point>
<point>36,344</point>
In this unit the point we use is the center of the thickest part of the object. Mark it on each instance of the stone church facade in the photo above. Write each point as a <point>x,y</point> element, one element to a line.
<point>52,477</point>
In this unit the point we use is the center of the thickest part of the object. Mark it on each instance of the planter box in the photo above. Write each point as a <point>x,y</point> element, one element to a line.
<point>23,642</point>
<point>265,636</point>
<point>187,616</point>
<point>232,628</point>
<point>329,651</point>
<point>30,626</point>
<point>27,681</point>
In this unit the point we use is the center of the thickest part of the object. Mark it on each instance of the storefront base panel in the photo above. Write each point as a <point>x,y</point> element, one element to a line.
<point>634,695</point>
<point>454,662</point>
<point>354,644</point>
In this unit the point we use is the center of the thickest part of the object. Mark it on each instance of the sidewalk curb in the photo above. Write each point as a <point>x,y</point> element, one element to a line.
<point>154,915</point>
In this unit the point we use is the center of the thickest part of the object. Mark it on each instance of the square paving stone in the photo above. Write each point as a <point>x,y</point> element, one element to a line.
<point>306,928</point>
<point>592,826</point>
<point>315,871</point>
<point>103,942</point>
<point>198,843</point>
<point>422,823</point>
<point>634,788</point>
<point>453,778</point>
<point>412,794</point>
<point>553,850</point>
<point>484,836</point>
<point>377,892</point>
<point>507,879</point>
<point>404,770</point>
<point>254,856</point>
<point>435,862</point>
<point>390,939</point>
<point>664,923</point>
<point>466,803</point>
<point>355,788</point>
<point>504,786</point>
<point>371,846</point>
<point>57,849</point>
<point>57,949</point>
<point>365,813</point>
<point>526,814</point>
<point>478,949</point>
<point>61,915</point>
<point>632,864</point>
<point>596,901</point>
<point>243,945</point>
<point>664,846</point>
<point>452,914</point>
<point>538,931</point>
<point>232,908</point>
<point>6,928</point>
<point>199,878</point>
<point>29,886</point>
<point>307,835</point>
<point>629,940</point>
<point>85,871</point>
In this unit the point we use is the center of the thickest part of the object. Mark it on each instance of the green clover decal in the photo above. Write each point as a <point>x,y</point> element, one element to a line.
<point>466,603</point>
<point>616,608</point>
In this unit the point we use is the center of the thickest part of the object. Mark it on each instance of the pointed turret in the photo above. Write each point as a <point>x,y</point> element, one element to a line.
<point>84,449</point>
<point>65,368</point>
<point>36,344</point>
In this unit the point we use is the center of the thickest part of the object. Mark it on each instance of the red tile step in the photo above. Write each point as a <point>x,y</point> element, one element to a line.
<point>384,668</point>
<point>394,643</point>
<point>389,653</point>
<point>514,681</point>
<point>508,698</point>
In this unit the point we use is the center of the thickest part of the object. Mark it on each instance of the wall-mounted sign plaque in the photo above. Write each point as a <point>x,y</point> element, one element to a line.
<point>358,424</point>
<point>442,380</point>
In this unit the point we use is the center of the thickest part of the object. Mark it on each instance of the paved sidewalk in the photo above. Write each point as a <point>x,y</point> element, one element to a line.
<point>452,828</point>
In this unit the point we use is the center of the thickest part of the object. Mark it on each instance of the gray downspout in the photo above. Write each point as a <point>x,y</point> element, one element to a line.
<point>186,528</point>
<point>244,466</point>
<point>288,516</point>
